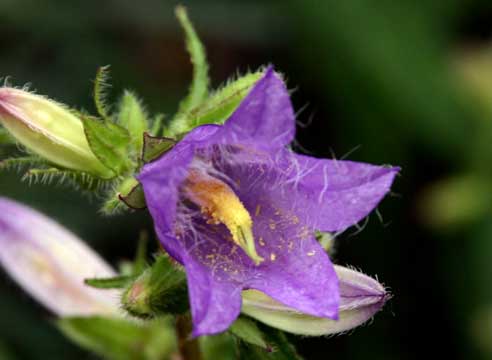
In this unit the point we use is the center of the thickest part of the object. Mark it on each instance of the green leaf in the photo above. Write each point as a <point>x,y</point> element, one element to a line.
<point>154,147</point>
<point>109,142</point>
<point>101,86</point>
<point>80,180</point>
<point>132,116</point>
<point>121,339</point>
<point>246,330</point>
<point>198,91</point>
<point>117,282</point>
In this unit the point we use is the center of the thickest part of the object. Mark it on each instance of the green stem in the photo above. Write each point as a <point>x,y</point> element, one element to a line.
<point>188,348</point>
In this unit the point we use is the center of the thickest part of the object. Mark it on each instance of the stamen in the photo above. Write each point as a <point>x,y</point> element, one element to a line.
<point>219,202</point>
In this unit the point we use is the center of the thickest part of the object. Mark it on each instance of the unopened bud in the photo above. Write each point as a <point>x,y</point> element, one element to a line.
<point>161,289</point>
<point>50,130</point>
<point>51,263</point>
<point>360,298</point>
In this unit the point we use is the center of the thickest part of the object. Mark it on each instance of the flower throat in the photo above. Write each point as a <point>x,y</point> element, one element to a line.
<point>221,205</point>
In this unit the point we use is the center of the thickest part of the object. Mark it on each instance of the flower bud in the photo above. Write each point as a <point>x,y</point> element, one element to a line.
<point>51,263</point>
<point>360,298</point>
<point>160,289</point>
<point>48,129</point>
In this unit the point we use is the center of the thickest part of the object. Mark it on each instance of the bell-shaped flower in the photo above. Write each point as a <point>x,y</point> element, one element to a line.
<point>239,210</point>
<point>51,263</point>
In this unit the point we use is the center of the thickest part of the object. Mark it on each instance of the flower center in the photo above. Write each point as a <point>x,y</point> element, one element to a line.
<point>222,206</point>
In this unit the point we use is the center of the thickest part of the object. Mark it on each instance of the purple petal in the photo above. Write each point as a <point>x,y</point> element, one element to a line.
<point>161,180</point>
<point>265,118</point>
<point>338,194</point>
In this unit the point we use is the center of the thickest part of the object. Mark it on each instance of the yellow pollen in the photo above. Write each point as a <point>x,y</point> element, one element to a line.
<point>273,256</point>
<point>218,201</point>
<point>261,241</point>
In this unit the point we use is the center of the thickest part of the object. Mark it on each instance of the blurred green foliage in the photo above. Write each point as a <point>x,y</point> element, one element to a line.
<point>407,81</point>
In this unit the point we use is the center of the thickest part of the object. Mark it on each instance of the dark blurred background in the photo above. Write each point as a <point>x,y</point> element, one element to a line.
<point>404,82</point>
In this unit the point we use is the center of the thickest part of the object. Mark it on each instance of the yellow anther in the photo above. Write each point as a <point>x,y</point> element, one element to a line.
<point>218,201</point>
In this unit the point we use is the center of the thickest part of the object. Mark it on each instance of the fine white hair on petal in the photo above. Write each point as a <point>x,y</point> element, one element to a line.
<point>51,263</point>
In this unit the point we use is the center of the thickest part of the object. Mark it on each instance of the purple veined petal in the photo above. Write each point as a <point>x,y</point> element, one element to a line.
<point>51,263</point>
<point>264,119</point>
<point>337,193</point>
<point>331,194</point>
<point>361,297</point>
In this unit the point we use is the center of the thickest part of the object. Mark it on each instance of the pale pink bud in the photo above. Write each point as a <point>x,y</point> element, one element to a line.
<point>51,263</point>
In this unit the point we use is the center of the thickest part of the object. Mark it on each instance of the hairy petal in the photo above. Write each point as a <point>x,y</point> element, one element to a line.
<point>338,193</point>
<point>264,119</point>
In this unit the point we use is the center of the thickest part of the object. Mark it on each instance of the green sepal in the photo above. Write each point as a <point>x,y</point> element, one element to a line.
<point>133,117</point>
<point>281,348</point>
<point>127,194</point>
<point>222,103</point>
<point>155,146</point>
<point>22,162</point>
<point>248,331</point>
<point>121,339</point>
<point>198,90</point>
<point>157,122</point>
<point>101,86</point>
<point>116,282</point>
<point>110,143</point>
<point>78,179</point>
<point>160,290</point>
<point>135,198</point>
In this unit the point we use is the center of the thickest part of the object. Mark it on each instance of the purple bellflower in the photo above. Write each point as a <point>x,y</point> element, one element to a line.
<point>239,210</point>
